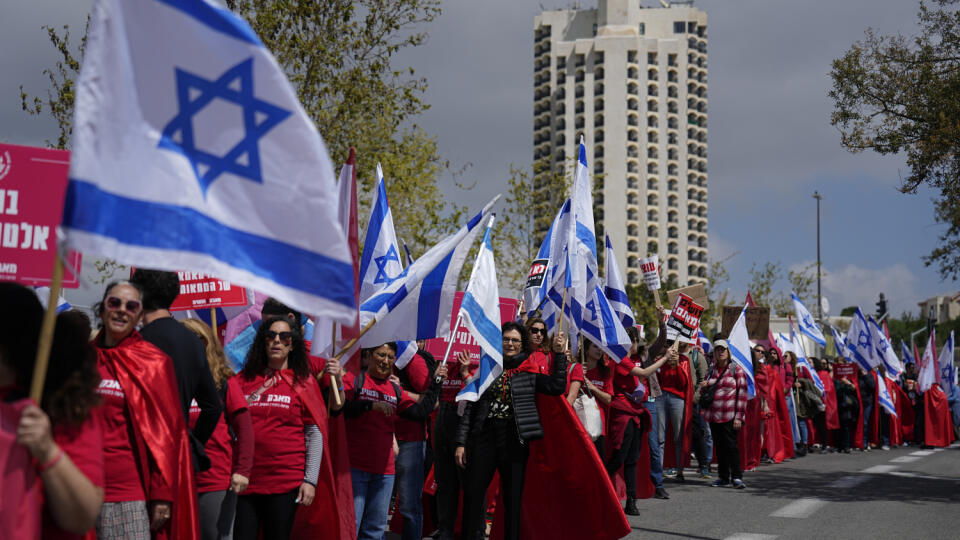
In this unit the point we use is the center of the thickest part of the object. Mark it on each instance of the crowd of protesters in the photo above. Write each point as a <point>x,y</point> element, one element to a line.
<point>145,429</point>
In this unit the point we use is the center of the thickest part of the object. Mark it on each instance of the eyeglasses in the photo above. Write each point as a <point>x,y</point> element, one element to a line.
<point>285,337</point>
<point>538,330</point>
<point>512,340</point>
<point>115,304</point>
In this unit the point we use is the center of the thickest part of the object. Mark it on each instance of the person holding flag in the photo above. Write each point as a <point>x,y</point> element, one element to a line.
<point>726,411</point>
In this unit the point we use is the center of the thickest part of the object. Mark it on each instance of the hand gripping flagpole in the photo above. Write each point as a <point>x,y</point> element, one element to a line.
<point>46,332</point>
<point>456,326</point>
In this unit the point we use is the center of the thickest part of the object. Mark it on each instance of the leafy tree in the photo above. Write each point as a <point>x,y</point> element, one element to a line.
<point>763,279</point>
<point>765,291</point>
<point>897,95</point>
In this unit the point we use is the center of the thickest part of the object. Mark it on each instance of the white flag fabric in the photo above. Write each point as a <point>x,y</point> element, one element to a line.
<point>381,263</point>
<point>784,343</point>
<point>406,351</point>
<point>804,362</point>
<point>418,305</point>
<point>600,324</point>
<point>883,396</point>
<point>480,312</point>
<point>740,350</point>
<point>884,351</point>
<point>190,150</point>
<point>860,347</point>
<point>806,323</point>
<point>614,290</point>
<point>583,240</point>
<point>839,343</point>
<point>928,375</point>
<point>945,368</point>
<point>553,251</point>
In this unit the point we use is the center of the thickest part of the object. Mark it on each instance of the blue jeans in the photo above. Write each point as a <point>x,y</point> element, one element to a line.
<point>802,424</point>
<point>792,414</point>
<point>673,407</point>
<point>410,487</point>
<point>867,413</point>
<point>702,440</point>
<point>371,503</point>
<point>656,457</point>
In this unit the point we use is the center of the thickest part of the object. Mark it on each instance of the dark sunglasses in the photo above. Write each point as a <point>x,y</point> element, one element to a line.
<point>285,337</point>
<point>114,304</point>
<point>536,330</point>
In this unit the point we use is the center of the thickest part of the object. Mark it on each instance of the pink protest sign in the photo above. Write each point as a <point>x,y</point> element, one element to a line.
<point>463,341</point>
<point>201,291</point>
<point>33,182</point>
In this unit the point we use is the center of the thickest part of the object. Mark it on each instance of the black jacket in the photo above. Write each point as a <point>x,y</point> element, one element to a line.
<point>523,389</point>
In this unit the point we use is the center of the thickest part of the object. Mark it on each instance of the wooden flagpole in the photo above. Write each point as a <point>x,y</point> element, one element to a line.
<point>46,332</point>
<point>213,324</point>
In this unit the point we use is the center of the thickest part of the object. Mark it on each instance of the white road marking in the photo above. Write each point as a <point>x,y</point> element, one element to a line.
<point>800,508</point>
<point>750,536</point>
<point>848,482</point>
<point>914,475</point>
<point>905,459</point>
<point>879,469</point>
<point>938,449</point>
<point>922,453</point>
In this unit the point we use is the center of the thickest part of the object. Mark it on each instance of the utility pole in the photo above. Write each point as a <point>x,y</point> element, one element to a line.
<point>818,197</point>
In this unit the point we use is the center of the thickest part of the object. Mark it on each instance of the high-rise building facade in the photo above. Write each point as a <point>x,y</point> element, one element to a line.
<point>632,81</point>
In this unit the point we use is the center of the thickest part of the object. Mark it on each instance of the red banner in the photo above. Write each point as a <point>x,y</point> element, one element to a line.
<point>33,182</point>
<point>463,341</point>
<point>202,291</point>
<point>685,317</point>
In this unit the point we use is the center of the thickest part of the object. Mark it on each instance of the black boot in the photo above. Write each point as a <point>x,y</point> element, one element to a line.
<point>631,508</point>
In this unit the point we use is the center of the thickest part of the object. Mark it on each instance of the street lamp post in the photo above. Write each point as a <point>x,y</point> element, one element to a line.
<point>818,197</point>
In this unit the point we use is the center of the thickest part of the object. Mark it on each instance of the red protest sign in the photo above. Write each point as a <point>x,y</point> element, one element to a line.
<point>201,291</point>
<point>33,182</point>
<point>462,340</point>
<point>685,316</point>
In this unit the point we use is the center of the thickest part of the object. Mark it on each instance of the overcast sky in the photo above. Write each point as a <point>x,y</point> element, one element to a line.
<point>770,140</point>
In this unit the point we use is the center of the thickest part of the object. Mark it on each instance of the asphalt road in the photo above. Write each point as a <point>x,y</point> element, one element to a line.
<point>895,494</point>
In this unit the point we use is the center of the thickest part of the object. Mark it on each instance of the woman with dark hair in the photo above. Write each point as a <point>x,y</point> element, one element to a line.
<point>283,399</point>
<point>788,368</point>
<point>145,435</point>
<point>494,429</point>
<point>540,353</point>
<point>598,381</point>
<point>63,436</point>
<point>231,456</point>
<point>372,404</point>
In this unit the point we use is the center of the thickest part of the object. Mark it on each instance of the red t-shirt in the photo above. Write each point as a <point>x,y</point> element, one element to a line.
<point>219,447</point>
<point>672,379</point>
<point>419,377</point>
<point>454,383</point>
<point>370,435</point>
<point>122,480</point>
<point>625,383</point>
<point>279,450</point>
<point>84,445</point>
<point>575,374</point>
<point>605,384</point>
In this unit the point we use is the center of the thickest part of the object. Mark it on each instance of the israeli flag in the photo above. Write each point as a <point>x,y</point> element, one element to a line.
<point>803,361</point>
<point>839,343</point>
<point>601,325</point>
<point>883,397</point>
<point>806,323</point>
<point>190,150</point>
<point>380,264</point>
<point>704,341</point>
<point>905,352</point>
<point>946,369</point>
<point>480,313</point>
<point>615,292</point>
<point>553,250</point>
<point>884,351</point>
<point>860,346</point>
<point>784,343</point>
<point>582,240</point>
<point>418,305</point>
<point>740,350</point>
<point>43,293</point>
<point>406,350</point>
<point>929,365</point>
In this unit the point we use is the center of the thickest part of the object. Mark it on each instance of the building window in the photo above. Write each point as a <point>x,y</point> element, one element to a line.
<point>579,60</point>
<point>598,58</point>
<point>691,28</point>
<point>652,58</point>
<point>679,27</point>
<point>562,62</point>
<point>671,60</point>
<point>632,57</point>
<point>652,74</point>
<point>642,29</point>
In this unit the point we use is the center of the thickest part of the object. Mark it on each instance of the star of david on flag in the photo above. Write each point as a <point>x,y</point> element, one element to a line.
<point>380,264</point>
<point>806,323</point>
<point>191,151</point>
<point>383,262</point>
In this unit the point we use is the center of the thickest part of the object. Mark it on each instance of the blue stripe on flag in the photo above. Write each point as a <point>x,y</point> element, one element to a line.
<point>487,328</point>
<point>616,295</point>
<point>89,209</point>
<point>218,19</point>
<point>377,218</point>
<point>431,291</point>
<point>747,367</point>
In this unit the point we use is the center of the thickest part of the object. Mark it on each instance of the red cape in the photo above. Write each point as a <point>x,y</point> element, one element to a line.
<point>832,418</point>
<point>153,401</point>
<point>896,429</point>
<point>669,454</point>
<point>748,438</point>
<point>330,517</point>
<point>778,405</point>
<point>875,435</point>
<point>567,493</point>
<point>21,492</point>
<point>937,426</point>
<point>856,440</point>
<point>770,389</point>
<point>905,413</point>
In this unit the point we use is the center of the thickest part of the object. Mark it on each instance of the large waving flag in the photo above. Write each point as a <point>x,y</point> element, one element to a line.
<point>806,323</point>
<point>582,244</point>
<point>945,369</point>
<point>883,396</point>
<point>803,361</point>
<point>839,343</point>
<point>190,150</point>
<point>480,313</point>
<point>418,305</point>
<point>785,343</point>
<point>884,351</point>
<point>381,263</point>
<point>740,350</point>
<point>907,356</point>
<point>860,346</point>
<point>553,252</point>
<point>614,290</point>
<point>600,324</point>
<point>928,375</point>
